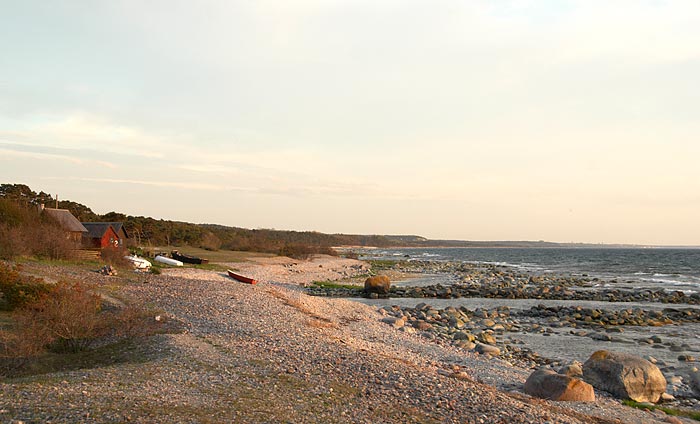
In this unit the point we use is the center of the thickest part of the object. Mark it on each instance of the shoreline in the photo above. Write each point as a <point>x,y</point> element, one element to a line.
<point>271,353</point>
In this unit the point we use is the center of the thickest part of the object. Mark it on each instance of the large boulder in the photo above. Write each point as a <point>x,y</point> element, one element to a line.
<point>546,384</point>
<point>378,284</point>
<point>625,376</point>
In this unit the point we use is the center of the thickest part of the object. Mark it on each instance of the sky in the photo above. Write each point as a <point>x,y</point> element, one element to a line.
<point>557,120</point>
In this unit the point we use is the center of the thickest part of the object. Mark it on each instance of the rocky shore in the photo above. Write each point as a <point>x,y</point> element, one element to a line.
<point>497,282</point>
<point>630,320</point>
<point>271,353</point>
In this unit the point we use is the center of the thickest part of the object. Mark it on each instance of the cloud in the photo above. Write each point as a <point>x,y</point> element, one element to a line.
<point>169,184</point>
<point>85,132</point>
<point>8,153</point>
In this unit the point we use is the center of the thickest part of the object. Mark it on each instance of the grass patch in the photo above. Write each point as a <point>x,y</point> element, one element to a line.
<point>335,285</point>
<point>669,411</point>
<point>381,264</point>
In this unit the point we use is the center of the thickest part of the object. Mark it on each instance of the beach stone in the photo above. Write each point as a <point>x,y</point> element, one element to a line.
<point>378,284</point>
<point>624,376</point>
<point>547,384</point>
<point>395,322</point>
<point>463,335</point>
<point>694,381</point>
<point>485,349</point>
<point>422,325</point>
<point>487,338</point>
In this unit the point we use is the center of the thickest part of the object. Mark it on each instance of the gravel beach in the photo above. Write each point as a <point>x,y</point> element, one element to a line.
<point>271,353</point>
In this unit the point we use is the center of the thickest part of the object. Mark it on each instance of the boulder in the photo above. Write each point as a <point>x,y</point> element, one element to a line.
<point>624,376</point>
<point>378,284</point>
<point>572,370</point>
<point>546,384</point>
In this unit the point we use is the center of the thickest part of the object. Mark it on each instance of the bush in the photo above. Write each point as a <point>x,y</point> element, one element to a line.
<point>49,241</point>
<point>12,242</point>
<point>210,241</point>
<point>17,348</point>
<point>19,290</point>
<point>24,232</point>
<point>115,256</point>
<point>69,316</point>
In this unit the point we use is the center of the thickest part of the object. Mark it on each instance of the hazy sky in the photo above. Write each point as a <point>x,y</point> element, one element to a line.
<point>483,120</point>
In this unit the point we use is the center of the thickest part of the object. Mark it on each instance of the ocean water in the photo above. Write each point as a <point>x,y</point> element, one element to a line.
<point>669,269</point>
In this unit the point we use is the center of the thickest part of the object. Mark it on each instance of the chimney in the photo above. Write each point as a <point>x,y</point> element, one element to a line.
<point>57,201</point>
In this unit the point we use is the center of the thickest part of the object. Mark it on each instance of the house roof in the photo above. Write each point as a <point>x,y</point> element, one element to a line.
<point>66,220</point>
<point>119,226</point>
<point>97,229</point>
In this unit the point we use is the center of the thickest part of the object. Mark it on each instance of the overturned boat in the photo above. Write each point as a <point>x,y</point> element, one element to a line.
<point>168,261</point>
<point>187,258</point>
<point>138,263</point>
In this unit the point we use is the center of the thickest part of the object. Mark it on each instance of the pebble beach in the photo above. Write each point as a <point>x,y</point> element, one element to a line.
<point>272,352</point>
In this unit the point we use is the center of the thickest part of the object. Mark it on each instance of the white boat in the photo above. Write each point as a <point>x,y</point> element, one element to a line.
<point>138,263</point>
<point>168,261</point>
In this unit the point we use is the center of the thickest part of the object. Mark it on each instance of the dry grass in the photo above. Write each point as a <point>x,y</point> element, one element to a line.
<point>315,320</point>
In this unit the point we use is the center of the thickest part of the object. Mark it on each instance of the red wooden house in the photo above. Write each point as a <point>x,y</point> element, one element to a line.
<point>101,235</point>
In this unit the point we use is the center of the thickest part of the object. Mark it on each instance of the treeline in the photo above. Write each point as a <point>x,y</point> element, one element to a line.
<point>148,232</point>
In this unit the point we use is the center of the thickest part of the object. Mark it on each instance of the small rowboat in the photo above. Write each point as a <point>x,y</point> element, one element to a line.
<point>241,278</point>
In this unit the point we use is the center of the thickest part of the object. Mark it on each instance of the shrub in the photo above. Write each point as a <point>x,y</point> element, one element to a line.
<point>115,256</point>
<point>19,290</point>
<point>69,316</point>
<point>210,241</point>
<point>12,242</point>
<point>133,321</point>
<point>49,241</point>
<point>17,348</point>
<point>24,232</point>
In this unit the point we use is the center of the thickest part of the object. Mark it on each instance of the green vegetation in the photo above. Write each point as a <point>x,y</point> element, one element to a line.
<point>669,411</point>
<point>335,285</point>
<point>19,290</point>
<point>381,265</point>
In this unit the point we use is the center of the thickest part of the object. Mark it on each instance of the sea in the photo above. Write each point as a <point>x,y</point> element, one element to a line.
<point>656,268</point>
<point>666,269</point>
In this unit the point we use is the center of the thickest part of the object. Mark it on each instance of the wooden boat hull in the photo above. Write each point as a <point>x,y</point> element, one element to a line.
<point>241,278</point>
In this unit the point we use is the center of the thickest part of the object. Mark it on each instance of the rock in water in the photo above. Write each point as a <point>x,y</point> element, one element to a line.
<point>378,284</point>
<point>625,376</point>
<point>547,384</point>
